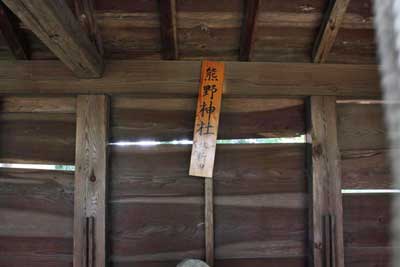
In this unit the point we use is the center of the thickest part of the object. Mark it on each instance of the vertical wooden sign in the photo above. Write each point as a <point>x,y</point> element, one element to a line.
<point>207,119</point>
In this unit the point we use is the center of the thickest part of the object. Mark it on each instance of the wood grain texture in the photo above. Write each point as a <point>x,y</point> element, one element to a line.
<point>329,29</point>
<point>55,25</point>
<point>168,29</point>
<point>172,118</point>
<point>154,78</point>
<point>268,169</point>
<point>207,119</point>
<point>366,169</point>
<point>364,146</point>
<point>286,32</point>
<point>361,127</point>
<point>325,184</point>
<point>16,40</point>
<point>367,220</point>
<point>259,189</point>
<point>47,138</point>
<point>30,202</point>
<point>209,220</point>
<point>91,179</point>
<point>38,104</point>
<point>85,12</point>
<point>248,30</point>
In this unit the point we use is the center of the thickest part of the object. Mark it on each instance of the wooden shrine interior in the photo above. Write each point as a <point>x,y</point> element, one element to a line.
<point>78,77</point>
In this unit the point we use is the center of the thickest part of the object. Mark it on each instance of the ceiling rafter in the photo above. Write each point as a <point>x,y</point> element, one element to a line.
<point>13,35</point>
<point>168,29</point>
<point>329,29</point>
<point>248,29</point>
<point>56,26</point>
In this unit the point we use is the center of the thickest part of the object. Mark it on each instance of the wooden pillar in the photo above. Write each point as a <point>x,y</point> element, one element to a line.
<point>90,181</point>
<point>326,215</point>
<point>209,220</point>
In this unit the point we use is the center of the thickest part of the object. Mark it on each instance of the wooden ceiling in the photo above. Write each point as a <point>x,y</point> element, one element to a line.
<point>285,31</point>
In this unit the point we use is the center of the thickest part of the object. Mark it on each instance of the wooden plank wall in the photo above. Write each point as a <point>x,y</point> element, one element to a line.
<point>36,206</point>
<point>365,165</point>
<point>157,210</point>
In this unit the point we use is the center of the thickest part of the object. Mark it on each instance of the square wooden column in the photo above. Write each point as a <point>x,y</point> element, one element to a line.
<point>91,181</point>
<point>323,160</point>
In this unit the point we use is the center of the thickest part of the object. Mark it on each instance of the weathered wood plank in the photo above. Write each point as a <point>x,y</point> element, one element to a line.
<point>168,29</point>
<point>142,229</point>
<point>41,191</point>
<point>91,180</point>
<point>154,78</point>
<point>329,29</point>
<point>260,191</point>
<point>55,25</point>
<point>267,227</point>
<point>366,169</point>
<point>361,127</point>
<point>38,104</point>
<point>172,118</point>
<point>248,30</point>
<point>17,42</point>
<point>367,229</point>
<point>30,202</point>
<point>325,179</point>
<point>239,170</point>
<point>37,138</point>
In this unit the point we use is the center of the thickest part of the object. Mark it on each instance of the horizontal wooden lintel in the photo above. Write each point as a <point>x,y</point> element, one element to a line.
<point>182,78</point>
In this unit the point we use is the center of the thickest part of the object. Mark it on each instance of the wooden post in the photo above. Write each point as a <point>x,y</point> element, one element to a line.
<point>90,181</point>
<point>209,220</point>
<point>323,162</point>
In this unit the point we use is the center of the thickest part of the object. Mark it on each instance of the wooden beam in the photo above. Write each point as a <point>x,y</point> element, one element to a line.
<point>169,37</point>
<point>248,29</point>
<point>155,78</point>
<point>329,28</point>
<point>326,213</point>
<point>85,12</point>
<point>90,181</point>
<point>16,41</point>
<point>53,22</point>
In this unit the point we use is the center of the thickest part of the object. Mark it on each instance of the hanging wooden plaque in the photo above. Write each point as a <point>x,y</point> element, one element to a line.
<point>207,119</point>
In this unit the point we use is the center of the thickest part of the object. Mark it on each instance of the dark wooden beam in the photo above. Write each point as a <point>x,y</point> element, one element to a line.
<point>53,22</point>
<point>12,34</point>
<point>154,78</point>
<point>248,29</point>
<point>169,37</point>
<point>92,116</point>
<point>326,213</point>
<point>85,12</point>
<point>329,29</point>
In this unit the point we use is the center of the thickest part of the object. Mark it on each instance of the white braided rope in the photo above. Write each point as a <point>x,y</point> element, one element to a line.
<point>387,23</point>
